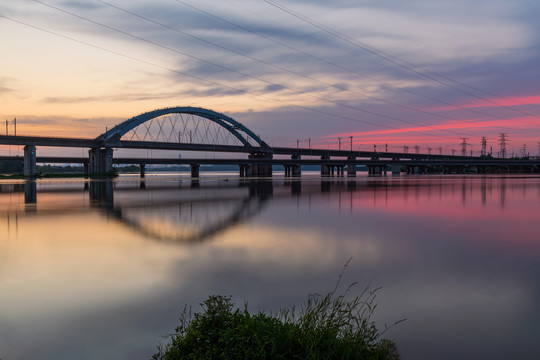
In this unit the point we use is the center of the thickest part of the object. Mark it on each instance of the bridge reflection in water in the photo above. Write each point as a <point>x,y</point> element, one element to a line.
<point>180,211</point>
<point>173,218</point>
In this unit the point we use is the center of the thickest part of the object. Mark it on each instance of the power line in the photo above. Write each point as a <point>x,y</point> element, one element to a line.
<point>393,59</point>
<point>282,68</point>
<point>196,77</point>
<point>295,49</point>
<point>255,77</point>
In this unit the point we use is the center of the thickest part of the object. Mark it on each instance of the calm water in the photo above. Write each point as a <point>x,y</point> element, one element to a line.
<point>102,270</point>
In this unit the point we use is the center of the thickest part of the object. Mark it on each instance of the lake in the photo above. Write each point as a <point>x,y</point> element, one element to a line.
<point>102,269</point>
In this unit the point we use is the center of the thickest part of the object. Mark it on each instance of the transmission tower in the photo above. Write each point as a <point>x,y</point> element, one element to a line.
<point>483,152</point>
<point>523,151</point>
<point>502,142</point>
<point>464,146</point>
<point>417,149</point>
<point>406,149</point>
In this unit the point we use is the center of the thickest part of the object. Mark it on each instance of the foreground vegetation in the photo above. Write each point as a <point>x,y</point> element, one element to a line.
<point>326,327</point>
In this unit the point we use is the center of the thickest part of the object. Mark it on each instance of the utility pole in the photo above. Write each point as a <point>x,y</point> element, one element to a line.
<point>464,146</point>
<point>339,141</point>
<point>417,149</point>
<point>351,141</point>
<point>484,146</point>
<point>502,142</point>
<point>406,148</point>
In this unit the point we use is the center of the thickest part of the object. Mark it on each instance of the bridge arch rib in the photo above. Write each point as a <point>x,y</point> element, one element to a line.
<point>234,127</point>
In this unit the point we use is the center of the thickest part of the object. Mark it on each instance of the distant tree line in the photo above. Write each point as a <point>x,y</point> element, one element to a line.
<point>11,167</point>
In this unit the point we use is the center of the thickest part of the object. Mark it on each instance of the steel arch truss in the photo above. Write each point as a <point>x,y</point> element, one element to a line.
<point>239,131</point>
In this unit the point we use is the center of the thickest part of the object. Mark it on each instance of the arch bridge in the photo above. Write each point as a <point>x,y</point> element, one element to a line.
<point>203,130</point>
<point>179,128</point>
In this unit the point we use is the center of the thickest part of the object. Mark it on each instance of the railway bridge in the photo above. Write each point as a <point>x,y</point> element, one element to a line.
<point>195,129</point>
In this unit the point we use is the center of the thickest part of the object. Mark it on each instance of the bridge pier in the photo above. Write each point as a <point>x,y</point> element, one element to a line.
<point>244,170</point>
<point>351,168</point>
<point>376,170</point>
<point>296,168</point>
<point>325,169</point>
<point>142,172</point>
<point>195,171</point>
<point>29,166</point>
<point>264,170</point>
<point>396,168</point>
<point>100,160</point>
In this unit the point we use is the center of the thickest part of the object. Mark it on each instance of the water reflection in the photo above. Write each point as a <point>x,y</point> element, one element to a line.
<point>101,269</point>
<point>171,217</point>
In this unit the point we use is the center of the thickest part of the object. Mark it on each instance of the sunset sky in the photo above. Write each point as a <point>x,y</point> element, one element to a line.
<point>415,72</point>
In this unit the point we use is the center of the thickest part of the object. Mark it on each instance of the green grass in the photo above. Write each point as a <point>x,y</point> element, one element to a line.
<point>325,327</point>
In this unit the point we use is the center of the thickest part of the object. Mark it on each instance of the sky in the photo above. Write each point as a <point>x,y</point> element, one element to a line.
<point>388,73</point>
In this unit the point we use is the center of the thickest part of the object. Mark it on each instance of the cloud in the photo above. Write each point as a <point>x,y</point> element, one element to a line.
<point>266,59</point>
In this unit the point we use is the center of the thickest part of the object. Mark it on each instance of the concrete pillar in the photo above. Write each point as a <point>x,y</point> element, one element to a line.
<point>296,169</point>
<point>107,160</point>
<point>287,170</point>
<point>325,169</point>
<point>29,161</point>
<point>141,167</point>
<point>261,169</point>
<point>396,169</point>
<point>351,168</point>
<point>100,160</point>
<point>195,170</point>
<point>93,160</point>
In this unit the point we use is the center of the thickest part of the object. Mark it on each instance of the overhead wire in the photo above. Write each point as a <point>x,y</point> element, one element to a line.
<point>394,59</point>
<point>389,117</point>
<point>278,67</point>
<point>295,49</point>
<point>322,112</point>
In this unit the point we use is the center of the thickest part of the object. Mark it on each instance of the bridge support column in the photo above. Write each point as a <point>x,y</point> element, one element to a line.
<point>351,168</point>
<point>100,160</point>
<point>261,169</point>
<point>287,170</point>
<point>195,170</point>
<point>244,170</point>
<point>396,168</point>
<point>142,172</point>
<point>29,161</point>
<point>296,169</point>
<point>325,169</point>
